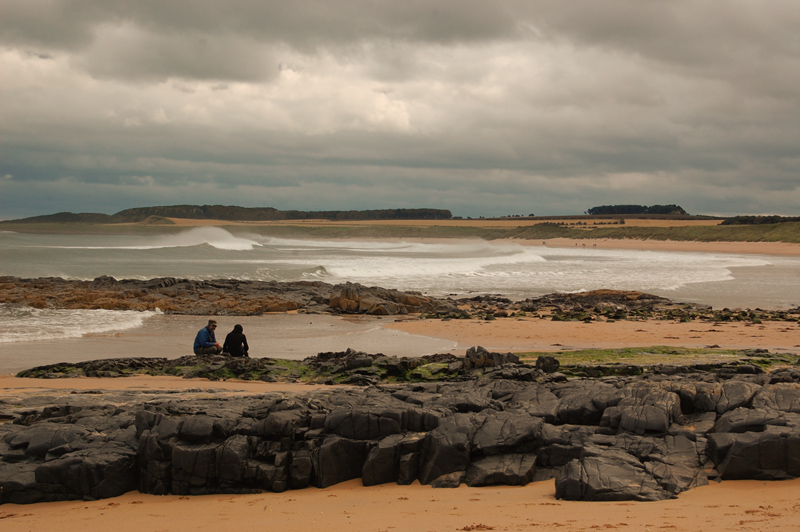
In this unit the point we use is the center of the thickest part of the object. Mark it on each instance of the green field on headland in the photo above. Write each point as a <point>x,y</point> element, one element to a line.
<point>788,232</point>
<point>780,232</point>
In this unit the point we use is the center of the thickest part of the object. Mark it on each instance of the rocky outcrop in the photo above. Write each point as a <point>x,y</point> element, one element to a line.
<point>243,298</point>
<point>359,368</point>
<point>610,305</point>
<point>646,437</point>
<point>347,367</point>
<point>216,297</point>
<point>352,298</point>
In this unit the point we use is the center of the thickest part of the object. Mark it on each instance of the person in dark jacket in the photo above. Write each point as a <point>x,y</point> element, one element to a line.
<point>236,343</point>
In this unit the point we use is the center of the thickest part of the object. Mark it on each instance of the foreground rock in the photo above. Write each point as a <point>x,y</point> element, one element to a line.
<point>646,437</point>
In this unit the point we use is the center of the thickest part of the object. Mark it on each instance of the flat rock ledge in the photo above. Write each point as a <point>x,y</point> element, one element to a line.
<point>233,297</point>
<point>223,297</point>
<point>639,437</point>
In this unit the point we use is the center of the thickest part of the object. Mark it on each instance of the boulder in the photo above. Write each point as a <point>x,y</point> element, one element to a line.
<point>608,475</point>
<point>384,461</point>
<point>505,470</point>
<point>337,460</point>
<point>770,455</point>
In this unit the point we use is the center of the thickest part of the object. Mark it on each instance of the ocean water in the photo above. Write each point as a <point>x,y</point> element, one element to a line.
<point>441,268</point>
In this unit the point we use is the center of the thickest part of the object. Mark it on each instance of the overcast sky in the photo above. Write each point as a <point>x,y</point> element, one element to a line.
<point>486,108</point>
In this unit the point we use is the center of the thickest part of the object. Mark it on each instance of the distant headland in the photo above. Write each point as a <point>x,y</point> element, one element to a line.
<point>655,223</point>
<point>231,213</point>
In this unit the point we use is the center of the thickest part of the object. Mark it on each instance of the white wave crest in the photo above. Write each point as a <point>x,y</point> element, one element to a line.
<point>197,236</point>
<point>24,324</point>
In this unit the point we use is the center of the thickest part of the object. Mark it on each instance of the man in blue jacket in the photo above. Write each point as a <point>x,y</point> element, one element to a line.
<point>205,343</point>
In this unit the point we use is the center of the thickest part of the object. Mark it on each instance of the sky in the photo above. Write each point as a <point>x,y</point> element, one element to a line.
<point>485,108</point>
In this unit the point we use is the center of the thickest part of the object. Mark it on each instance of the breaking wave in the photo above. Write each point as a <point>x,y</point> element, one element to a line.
<point>23,324</point>
<point>198,236</point>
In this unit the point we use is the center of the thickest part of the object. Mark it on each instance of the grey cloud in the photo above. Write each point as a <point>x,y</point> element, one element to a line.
<point>197,39</point>
<point>305,24</point>
<point>482,107</point>
<point>134,55</point>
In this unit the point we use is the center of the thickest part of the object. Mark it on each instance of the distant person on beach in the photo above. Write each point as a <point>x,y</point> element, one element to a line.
<point>205,343</point>
<point>236,343</point>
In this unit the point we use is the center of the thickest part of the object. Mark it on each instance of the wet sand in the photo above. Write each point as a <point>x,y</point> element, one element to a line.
<point>298,336</point>
<point>289,336</point>
<point>534,334</point>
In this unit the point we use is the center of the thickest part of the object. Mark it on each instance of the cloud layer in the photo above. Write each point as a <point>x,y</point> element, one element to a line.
<point>484,108</point>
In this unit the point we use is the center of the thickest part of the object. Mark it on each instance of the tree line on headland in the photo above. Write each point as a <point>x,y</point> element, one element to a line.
<point>230,213</point>
<point>158,219</point>
<point>759,220</point>
<point>637,209</point>
<point>261,214</point>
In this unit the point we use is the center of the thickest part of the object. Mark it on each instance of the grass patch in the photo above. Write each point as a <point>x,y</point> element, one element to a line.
<point>780,232</point>
<point>645,356</point>
<point>429,372</point>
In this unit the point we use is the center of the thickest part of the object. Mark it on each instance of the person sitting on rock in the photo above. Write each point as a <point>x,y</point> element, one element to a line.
<point>205,343</point>
<point>236,343</point>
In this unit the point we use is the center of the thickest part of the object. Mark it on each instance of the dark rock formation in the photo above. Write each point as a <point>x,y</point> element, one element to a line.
<point>237,297</point>
<point>216,297</point>
<point>645,437</point>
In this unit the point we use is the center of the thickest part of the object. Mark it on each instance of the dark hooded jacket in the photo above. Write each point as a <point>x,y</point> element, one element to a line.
<point>236,343</point>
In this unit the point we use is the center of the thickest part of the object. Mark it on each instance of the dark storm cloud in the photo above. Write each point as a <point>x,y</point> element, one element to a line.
<point>481,107</point>
<point>208,39</point>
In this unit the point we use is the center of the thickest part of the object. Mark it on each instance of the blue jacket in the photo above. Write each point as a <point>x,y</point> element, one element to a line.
<point>205,338</point>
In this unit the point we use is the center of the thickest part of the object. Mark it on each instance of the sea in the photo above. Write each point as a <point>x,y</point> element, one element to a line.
<point>455,268</point>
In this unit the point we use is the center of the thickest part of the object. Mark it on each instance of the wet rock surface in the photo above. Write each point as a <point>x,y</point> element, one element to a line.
<point>243,298</point>
<point>642,437</point>
<point>215,297</point>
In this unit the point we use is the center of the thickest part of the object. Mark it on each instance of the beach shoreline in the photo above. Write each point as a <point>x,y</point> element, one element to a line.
<point>298,336</point>
<point>751,248</point>
<point>533,334</point>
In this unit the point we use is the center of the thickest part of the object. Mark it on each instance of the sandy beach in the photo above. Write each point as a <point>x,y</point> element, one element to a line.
<point>757,248</point>
<point>348,507</point>
<point>533,334</point>
<point>297,336</point>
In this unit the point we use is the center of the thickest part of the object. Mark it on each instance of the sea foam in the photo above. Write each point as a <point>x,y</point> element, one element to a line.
<point>197,236</point>
<point>23,324</point>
